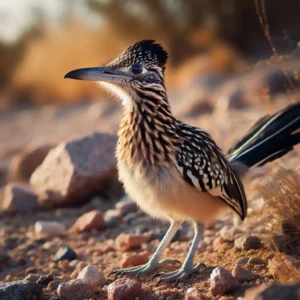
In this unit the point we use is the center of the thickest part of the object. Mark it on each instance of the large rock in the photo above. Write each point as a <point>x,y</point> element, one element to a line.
<point>20,290</point>
<point>76,170</point>
<point>24,164</point>
<point>274,291</point>
<point>19,198</point>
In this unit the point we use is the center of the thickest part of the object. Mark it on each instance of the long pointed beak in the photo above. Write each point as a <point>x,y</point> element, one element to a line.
<point>98,74</point>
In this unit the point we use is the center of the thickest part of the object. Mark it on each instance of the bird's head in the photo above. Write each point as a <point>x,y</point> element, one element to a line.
<point>141,66</point>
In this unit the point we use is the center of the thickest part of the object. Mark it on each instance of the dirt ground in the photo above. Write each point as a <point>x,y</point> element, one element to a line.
<point>26,249</point>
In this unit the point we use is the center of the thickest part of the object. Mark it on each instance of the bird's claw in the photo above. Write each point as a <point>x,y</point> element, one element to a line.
<point>178,275</point>
<point>143,269</point>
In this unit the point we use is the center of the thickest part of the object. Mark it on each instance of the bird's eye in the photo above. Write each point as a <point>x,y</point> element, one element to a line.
<point>136,69</point>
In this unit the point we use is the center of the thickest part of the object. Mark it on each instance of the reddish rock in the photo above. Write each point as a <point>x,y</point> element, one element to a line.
<point>124,289</point>
<point>194,294</point>
<point>75,170</point>
<point>248,242</point>
<point>168,292</point>
<point>24,164</point>
<point>242,275</point>
<point>125,242</point>
<point>221,281</point>
<point>89,221</point>
<point>77,289</point>
<point>134,259</point>
<point>91,274</point>
<point>19,198</point>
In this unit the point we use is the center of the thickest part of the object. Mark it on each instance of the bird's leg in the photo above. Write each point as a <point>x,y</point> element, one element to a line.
<point>187,267</point>
<point>154,261</point>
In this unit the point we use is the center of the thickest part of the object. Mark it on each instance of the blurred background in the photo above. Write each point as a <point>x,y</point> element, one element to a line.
<point>224,54</point>
<point>230,63</point>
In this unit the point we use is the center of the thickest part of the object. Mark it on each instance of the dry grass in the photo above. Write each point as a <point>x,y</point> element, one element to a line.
<point>219,59</point>
<point>282,202</point>
<point>283,269</point>
<point>280,213</point>
<point>49,58</point>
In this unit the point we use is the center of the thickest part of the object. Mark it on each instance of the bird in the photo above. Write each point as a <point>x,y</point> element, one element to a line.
<point>175,171</point>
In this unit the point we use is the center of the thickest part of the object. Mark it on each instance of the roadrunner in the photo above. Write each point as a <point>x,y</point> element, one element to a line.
<point>175,171</point>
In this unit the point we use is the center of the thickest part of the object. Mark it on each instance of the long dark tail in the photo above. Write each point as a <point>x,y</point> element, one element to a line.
<point>270,137</point>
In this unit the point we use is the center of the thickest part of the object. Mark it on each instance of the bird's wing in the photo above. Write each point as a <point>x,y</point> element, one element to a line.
<point>203,165</point>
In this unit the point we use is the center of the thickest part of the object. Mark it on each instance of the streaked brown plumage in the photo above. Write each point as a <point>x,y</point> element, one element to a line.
<point>172,170</point>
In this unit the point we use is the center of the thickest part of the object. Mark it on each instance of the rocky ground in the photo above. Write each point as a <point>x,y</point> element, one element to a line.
<point>66,224</point>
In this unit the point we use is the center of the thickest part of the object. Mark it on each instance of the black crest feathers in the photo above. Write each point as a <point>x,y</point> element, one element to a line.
<point>144,52</point>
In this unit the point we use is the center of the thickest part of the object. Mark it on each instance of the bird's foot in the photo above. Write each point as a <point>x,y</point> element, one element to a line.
<point>178,275</point>
<point>143,269</point>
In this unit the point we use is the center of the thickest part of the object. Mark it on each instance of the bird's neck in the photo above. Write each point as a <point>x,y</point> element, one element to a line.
<point>147,132</point>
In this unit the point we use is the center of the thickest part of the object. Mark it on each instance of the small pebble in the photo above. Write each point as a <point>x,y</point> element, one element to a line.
<point>134,259</point>
<point>194,294</point>
<point>242,275</point>
<point>221,281</point>
<point>65,253</point>
<point>229,232</point>
<point>126,206</point>
<point>243,260</point>
<point>74,263</point>
<point>45,279</point>
<point>53,285</point>
<point>19,198</point>
<point>21,261</point>
<point>32,277</point>
<point>91,274</point>
<point>248,242</point>
<point>112,218</point>
<point>217,243</point>
<point>52,245</point>
<point>167,292</point>
<point>80,266</point>
<point>124,289</point>
<point>256,261</point>
<point>77,289</point>
<point>74,275</point>
<point>89,221</point>
<point>31,270</point>
<point>49,228</point>
<point>208,240</point>
<point>125,242</point>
